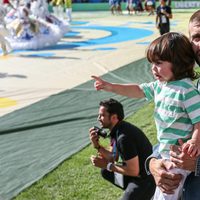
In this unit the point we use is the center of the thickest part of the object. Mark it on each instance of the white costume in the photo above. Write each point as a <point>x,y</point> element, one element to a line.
<point>4,33</point>
<point>31,28</point>
<point>39,9</point>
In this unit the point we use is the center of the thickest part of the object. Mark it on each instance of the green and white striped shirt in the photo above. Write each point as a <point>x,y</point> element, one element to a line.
<point>177,109</point>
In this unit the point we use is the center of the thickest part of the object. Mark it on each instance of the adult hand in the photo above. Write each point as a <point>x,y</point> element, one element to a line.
<point>165,180</point>
<point>100,84</point>
<point>99,161</point>
<point>94,138</point>
<point>181,159</point>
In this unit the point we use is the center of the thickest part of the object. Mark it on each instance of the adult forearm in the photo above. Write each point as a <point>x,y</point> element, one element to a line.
<point>170,16</point>
<point>157,21</point>
<point>165,180</point>
<point>124,170</point>
<point>155,154</point>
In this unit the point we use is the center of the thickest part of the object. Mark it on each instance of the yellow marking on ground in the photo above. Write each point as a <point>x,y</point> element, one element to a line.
<point>6,102</point>
<point>5,56</point>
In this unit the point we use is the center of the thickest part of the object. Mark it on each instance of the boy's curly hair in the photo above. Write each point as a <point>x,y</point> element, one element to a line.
<point>175,48</point>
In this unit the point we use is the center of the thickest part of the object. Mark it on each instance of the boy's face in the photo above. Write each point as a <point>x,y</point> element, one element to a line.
<point>194,33</point>
<point>162,71</point>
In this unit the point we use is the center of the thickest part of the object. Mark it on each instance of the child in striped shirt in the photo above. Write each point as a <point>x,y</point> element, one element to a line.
<point>177,101</point>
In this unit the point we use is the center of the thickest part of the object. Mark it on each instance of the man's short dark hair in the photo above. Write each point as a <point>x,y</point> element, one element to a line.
<point>195,17</point>
<point>113,107</point>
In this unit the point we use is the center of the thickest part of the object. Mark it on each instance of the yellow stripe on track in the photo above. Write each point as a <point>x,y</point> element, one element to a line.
<point>6,102</point>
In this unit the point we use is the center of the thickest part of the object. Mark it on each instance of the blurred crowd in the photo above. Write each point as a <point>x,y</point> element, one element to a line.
<point>135,6</point>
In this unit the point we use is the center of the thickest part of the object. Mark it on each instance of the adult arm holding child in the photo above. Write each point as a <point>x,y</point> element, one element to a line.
<point>165,180</point>
<point>168,181</point>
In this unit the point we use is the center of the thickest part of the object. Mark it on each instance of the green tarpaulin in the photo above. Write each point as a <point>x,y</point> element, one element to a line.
<point>35,139</point>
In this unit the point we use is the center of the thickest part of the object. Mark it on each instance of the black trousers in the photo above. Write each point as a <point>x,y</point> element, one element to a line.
<point>164,28</point>
<point>134,188</point>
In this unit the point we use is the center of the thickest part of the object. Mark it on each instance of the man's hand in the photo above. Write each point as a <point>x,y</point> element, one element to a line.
<point>165,180</point>
<point>182,159</point>
<point>94,138</point>
<point>99,161</point>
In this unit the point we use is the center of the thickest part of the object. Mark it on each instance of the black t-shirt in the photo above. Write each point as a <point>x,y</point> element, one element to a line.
<point>164,20</point>
<point>131,142</point>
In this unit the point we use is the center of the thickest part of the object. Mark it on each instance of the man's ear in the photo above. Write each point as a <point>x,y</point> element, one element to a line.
<point>114,118</point>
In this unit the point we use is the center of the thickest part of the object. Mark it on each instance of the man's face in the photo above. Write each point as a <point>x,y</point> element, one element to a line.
<point>194,33</point>
<point>162,2</point>
<point>104,118</point>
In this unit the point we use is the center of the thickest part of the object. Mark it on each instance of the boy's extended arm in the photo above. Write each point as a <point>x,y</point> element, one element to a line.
<point>129,90</point>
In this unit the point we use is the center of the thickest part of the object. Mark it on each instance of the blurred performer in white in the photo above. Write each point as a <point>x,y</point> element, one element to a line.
<point>33,27</point>
<point>68,9</point>
<point>30,33</point>
<point>39,11</point>
<point>5,45</point>
<point>58,8</point>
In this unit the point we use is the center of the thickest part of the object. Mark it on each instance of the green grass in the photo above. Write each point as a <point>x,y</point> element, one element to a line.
<point>77,179</point>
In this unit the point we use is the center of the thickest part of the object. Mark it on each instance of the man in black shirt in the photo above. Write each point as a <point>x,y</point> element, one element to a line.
<point>123,163</point>
<point>163,14</point>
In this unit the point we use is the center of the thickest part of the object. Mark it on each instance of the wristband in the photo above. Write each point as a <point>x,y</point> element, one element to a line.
<point>147,161</point>
<point>109,165</point>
